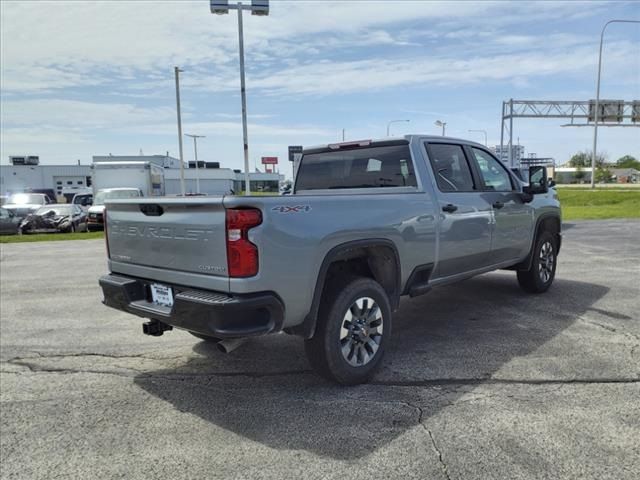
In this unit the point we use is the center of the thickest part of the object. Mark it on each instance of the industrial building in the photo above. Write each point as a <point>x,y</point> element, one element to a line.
<point>23,175</point>
<point>503,153</point>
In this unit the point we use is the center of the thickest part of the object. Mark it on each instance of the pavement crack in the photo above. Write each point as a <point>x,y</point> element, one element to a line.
<point>443,465</point>
<point>434,445</point>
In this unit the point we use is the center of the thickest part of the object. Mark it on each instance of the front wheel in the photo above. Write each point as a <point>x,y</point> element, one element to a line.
<point>354,324</point>
<point>540,275</point>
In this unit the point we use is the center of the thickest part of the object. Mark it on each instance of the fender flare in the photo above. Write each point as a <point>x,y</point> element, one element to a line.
<point>346,251</point>
<point>526,263</point>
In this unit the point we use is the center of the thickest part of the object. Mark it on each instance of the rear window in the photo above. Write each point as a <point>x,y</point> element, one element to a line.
<point>373,167</point>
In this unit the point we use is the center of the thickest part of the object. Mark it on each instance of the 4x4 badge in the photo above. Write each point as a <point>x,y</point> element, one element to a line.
<point>291,209</point>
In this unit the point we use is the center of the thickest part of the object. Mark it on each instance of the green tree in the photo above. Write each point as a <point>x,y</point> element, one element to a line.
<point>628,161</point>
<point>583,159</point>
<point>580,174</point>
<point>603,175</point>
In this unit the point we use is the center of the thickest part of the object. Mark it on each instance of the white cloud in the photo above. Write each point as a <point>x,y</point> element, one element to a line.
<point>78,114</point>
<point>326,78</point>
<point>65,43</point>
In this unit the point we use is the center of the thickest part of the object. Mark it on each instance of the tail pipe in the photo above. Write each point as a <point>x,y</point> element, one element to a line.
<point>230,344</point>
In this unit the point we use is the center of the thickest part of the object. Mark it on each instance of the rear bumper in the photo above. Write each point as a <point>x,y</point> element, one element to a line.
<point>202,311</point>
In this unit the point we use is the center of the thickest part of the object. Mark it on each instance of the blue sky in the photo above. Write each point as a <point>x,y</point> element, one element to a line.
<point>83,78</point>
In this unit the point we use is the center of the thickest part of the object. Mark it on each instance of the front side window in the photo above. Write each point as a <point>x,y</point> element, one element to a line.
<point>370,167</point>
<point>493,174</point>
<point>450,168</point>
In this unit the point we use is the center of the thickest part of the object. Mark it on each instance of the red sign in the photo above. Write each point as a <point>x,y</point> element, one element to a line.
<point>269,160</point>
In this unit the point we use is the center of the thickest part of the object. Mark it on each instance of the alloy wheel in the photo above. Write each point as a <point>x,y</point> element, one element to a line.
<point>361,331</point>
<point>546,261</point>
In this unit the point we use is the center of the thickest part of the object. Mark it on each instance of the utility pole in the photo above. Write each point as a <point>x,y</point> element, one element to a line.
<point>195,152</point>
<point>257,7</point>
<point>483,132</point>
<point>177,75</point>
<point>394,121</point>
<point>596,114</point>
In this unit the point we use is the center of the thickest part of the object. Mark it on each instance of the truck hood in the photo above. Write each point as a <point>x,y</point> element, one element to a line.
<point>22,206</point>
<point>96,209</point>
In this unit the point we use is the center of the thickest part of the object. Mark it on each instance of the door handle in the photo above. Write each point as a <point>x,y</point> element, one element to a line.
<point>449,208</point>
<point>498,205</point>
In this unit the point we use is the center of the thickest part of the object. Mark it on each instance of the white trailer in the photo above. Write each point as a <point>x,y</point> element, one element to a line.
<point>146,176</point>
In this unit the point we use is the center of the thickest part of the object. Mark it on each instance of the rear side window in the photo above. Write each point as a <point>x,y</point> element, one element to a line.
<point>372,167</point>
<point>450,167</point>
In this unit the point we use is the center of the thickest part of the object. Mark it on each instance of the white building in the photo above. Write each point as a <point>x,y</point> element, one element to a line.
<point>21,178</point>
<point>165,161</point>
<point>503,153</point>
<point>213,181</point>
<point>219,181</point>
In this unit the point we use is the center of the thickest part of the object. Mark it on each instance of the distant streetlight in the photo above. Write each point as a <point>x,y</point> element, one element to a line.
<point>257,7</point>
<point>195,152</point>
<point>595,119</point>
<point>177,75</point>
<point>394,121</point>
<point>481,131</point>
<point>438,123</point>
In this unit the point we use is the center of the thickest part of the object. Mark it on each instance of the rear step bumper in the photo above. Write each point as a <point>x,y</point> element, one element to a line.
<point>202,311</point>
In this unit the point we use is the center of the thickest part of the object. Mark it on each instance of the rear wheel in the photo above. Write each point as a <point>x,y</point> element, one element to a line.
<point>540,275</point>
<point>354,324</point>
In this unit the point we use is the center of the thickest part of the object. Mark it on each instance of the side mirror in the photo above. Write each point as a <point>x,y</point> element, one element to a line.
<point>551,182</point>
<point>537,181</point>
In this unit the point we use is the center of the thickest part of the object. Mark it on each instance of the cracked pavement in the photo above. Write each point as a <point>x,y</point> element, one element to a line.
<point>481,381</point>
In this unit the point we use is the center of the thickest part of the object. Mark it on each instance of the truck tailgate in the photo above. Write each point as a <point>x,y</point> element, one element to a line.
<point>178,234</point>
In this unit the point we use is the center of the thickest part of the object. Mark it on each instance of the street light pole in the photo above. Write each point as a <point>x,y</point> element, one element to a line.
<point>257,7</point>
<point>439,123</point>
<point>177,75</point>
<point>195,152</point>
<point>243,95</point>
<point>597,105</point>
<point>485,135</point>
<point>394,121</point>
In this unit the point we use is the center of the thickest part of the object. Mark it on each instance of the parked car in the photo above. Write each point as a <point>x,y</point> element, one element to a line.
<point>9,223</point>
<point>96,211</point>
<point>367,222</point>
<point>23,204</point>
<point>83,200</point>
<point>62,217</point>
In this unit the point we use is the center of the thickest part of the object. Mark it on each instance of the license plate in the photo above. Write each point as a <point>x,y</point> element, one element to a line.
<point>161,294</point>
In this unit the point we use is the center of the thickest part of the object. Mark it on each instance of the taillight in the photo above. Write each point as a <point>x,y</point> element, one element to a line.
<point>242,255</point>
<point>106,237</point>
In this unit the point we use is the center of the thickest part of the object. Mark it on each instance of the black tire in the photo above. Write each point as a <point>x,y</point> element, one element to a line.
<point>540,276</point>
<point>325,350</point>
<point>206,338</point>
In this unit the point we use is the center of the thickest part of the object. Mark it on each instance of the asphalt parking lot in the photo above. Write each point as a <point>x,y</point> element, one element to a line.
<point>481,381</point>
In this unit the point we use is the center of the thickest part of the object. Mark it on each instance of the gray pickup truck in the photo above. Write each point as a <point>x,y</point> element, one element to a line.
<point>368,222</point>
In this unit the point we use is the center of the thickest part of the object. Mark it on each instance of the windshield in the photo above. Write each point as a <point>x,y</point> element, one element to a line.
<point>25,198</point>
<point>101,197</point>
<point>58,210</point>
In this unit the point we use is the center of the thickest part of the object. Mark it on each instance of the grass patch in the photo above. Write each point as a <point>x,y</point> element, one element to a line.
<point>599,204</point>
<point>48,237</point>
